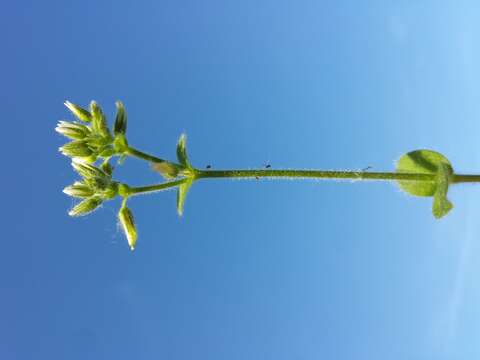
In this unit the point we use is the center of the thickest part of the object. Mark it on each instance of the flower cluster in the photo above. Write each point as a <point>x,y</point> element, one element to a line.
<point>91,137</point>
<point>92,140</point>
<point>95,187</point>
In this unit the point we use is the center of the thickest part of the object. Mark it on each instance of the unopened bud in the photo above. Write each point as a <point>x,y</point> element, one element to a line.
<point>125,217</point>
<point>79,190</point>
<point>120,126</point>
<point>79,112</point>
<point>77,148</point>
<point>99,122</point>
<point>88,171</point>
<point>86,206</point>
<point>72,130</point>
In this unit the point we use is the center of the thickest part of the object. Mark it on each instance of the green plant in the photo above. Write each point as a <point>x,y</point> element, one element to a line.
<point>420,173</point>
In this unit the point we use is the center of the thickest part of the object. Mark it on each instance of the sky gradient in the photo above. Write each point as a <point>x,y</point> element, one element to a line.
<point>254,269</point>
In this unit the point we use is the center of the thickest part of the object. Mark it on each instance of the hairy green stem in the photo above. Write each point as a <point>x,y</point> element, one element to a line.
<point>461,178</point>
<point>333,175</point>
<point>142,155</point>
<point>132,191</point>
<point>313,174</point>
<point>287,174</point>
<point>300,174</point>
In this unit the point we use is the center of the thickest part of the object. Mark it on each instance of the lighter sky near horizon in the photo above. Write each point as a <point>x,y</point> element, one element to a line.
<point>254,269</point>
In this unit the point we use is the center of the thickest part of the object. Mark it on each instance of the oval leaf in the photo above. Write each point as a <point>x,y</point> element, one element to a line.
<point>422,162</point>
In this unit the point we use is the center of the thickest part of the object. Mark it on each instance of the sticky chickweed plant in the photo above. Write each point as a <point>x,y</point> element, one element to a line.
<point>93,145</point>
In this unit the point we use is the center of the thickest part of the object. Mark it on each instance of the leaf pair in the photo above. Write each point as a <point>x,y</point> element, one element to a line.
<point>433,163</point>
<point>187,169</point>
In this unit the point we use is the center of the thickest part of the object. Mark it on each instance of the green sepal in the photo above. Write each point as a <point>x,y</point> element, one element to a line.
<point>120,126</point>
<point>422,162</point>
<point>110,191</point>
<point>79,112</point>
<point>182,152</point>
<point>107,168</point>
<point>182,194</point>
<point>107,152</point>
<point>96,141</point>
<point>124,190</point>
<point>120,144</point>
<point>441,205</point>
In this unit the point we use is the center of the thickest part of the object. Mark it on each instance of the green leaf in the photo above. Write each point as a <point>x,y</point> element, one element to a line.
<point>441,205</point>
<point>182,194</point>
<point>422,162</point>
<point>182,152</point>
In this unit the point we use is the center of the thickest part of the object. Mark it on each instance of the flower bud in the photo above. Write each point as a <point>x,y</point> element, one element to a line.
<point>125,217</point>
<point>79,112</point>
<point>86,206</point>
<point>77,148</point>
<point>120,126</point>
<point>99,122</point>
<point>79,190</point>
<point>88,171</point>
<point>72,130</point>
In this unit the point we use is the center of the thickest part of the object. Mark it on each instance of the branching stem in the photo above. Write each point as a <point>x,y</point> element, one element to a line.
<point>286,174</point>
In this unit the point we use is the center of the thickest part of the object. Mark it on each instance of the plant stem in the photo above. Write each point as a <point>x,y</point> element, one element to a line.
<point>299,174</point>
<point>333,175</point>
<point>316,174</point>
<point>141,155</point>
<point>155,188</point>
<point>461,178</point>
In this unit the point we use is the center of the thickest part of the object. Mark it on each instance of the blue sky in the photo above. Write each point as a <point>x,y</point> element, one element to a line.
<point>254,269</point>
